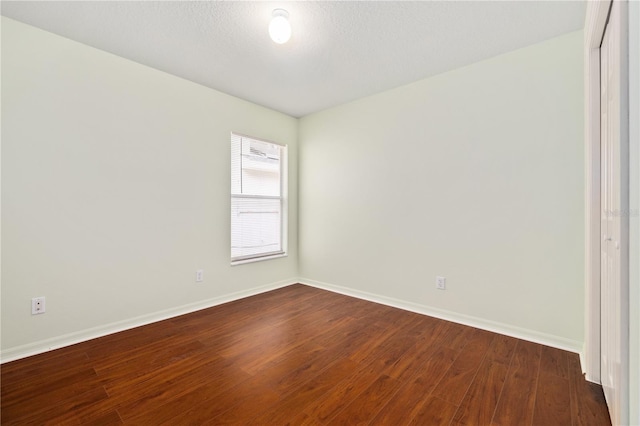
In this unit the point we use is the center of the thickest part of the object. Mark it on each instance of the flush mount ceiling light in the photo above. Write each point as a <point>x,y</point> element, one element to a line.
<point>279,28</point>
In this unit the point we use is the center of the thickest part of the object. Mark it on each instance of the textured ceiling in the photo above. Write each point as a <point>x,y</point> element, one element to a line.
<point>339,51</point>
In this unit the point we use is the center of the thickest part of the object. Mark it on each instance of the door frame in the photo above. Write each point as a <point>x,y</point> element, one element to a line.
<point>595,23</point>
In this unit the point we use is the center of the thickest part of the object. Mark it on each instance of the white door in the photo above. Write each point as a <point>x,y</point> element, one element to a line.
<point>614,293</point>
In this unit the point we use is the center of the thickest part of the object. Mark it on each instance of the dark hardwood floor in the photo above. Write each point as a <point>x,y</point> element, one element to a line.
<point>301,356</point>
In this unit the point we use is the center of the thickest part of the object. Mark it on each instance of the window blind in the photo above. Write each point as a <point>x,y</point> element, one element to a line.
<point>256,198</point>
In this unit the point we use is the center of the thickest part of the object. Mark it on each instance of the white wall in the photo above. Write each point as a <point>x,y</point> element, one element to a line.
<point>115,189</point>
<point>476,175</point>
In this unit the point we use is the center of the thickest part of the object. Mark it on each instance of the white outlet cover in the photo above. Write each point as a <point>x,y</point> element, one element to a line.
<point>199,275</point>
<point>441,283</point>
<point>38,305</point>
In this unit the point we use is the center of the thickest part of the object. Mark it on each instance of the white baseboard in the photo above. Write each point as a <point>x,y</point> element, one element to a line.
<point>481,323</point>
<point>35,348</point>
<point>582,366</point>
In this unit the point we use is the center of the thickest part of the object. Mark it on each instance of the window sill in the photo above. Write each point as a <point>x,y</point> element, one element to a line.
<point>258,259</point>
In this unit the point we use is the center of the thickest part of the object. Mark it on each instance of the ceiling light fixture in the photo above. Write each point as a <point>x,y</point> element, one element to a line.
<point>279,28</point>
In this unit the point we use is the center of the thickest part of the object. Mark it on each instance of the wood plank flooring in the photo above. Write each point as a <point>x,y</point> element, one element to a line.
<point>301,356</point>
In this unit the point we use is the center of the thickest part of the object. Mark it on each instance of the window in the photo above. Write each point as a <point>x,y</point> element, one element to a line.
<point>258,188</point>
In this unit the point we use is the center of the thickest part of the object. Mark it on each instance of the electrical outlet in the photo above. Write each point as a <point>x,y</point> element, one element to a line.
<point>441,283</point>
<point>199,275</point>
<point>37,305</point>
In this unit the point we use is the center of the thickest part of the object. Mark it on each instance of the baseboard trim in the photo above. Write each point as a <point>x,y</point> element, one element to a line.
<point>582,367</point>
<point>484,324</point>
<point>42,346</point>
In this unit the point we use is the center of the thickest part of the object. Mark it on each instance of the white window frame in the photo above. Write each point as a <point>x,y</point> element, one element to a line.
<point>239,260</point>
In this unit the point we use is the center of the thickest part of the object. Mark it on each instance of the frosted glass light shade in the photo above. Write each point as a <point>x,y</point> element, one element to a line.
<point>279,28</point>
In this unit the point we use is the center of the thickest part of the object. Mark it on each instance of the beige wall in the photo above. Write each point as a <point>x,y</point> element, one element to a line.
<point>476,175</point>
<point>115,189</point>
